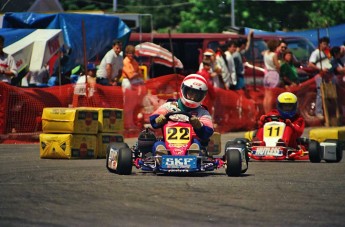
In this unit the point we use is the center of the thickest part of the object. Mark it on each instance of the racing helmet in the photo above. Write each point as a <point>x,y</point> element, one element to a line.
<point>193,90</point>
<point>287,104</point>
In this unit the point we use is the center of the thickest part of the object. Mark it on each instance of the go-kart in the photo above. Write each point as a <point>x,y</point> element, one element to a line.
<point>273,147</point>
<point>178,157</point>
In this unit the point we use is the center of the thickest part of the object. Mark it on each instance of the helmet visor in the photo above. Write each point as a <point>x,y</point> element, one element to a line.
<point>193,94</point>
<point>287,107</point>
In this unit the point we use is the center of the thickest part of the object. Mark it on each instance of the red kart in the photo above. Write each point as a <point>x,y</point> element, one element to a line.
<point>273,147</point>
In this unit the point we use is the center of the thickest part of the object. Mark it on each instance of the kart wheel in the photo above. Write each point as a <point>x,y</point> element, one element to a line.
<point>239,143</point>
<point>110,147</point>
<point>124,165</point>
<point>233,162</point>
<point>314,151</point>
<point>339,151</point>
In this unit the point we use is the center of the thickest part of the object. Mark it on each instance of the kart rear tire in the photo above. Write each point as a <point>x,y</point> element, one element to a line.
<point>314,151</point>
<point>233,162</point>
<point>113,146</point>
<point>339,151</point>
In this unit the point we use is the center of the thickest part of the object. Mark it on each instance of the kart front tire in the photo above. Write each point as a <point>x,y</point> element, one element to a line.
<point>314,151</point>
<point>124,166</point>
<point>110,146</point>
<point>233,162</point>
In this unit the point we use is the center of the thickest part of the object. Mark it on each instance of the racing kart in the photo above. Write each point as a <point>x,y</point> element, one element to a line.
<point>178,157</point>
<point>273,146</point>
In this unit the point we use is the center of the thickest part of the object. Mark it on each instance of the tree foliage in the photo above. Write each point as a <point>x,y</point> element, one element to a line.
<point>215,15</point>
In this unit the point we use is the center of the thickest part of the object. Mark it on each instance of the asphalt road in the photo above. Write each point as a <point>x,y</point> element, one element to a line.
<point>46,192</point>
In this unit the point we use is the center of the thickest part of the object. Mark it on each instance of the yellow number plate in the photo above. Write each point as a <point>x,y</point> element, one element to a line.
<point>177,135</point>
<point>273,131</point>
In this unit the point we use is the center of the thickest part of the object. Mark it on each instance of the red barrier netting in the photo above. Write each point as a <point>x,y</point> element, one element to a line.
<point>21,108</point>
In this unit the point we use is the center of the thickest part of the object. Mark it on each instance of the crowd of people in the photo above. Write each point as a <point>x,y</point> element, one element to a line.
<point>222,68</point>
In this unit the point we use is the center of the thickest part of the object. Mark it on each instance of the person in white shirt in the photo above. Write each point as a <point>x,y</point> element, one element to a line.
<point>110,69</point>
<point>8,68</point>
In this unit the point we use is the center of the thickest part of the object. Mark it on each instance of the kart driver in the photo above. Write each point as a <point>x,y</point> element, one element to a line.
<point>192,92</point>
<point>287,109</point>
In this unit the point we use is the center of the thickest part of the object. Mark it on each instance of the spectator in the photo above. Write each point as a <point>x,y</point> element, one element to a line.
<point>336,62</point>
<point>132,79</point>
<point>8,68</point>
<point>288,72</point>
<point>231,50</point>
<point>215,69</point>
<point>38,78</point>
<point>242,47</point>
<point>205,72</point>
<point>110,69</point>
<point>131,72</point>
<point>281,49</point>
<point>320,62</point>
<point>87,81</point>
<point>61,74</point>
<point>271,77</point>
<point>227,65</point>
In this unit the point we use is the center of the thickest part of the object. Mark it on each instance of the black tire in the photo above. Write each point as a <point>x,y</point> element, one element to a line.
<point>114,146</point>
<point>239,143</point>
<point>314,151</point>
<point>339,151</point>
<point>124,165</point>
<point>233,163</point>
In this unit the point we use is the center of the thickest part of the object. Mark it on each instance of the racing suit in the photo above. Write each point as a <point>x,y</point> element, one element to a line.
<point>293,130</point>
<point>202,134</point>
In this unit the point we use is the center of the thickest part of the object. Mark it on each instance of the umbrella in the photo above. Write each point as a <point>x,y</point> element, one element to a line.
<point>160,55</point>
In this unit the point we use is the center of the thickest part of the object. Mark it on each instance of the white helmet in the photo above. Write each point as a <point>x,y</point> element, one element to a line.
<point>193,90</point>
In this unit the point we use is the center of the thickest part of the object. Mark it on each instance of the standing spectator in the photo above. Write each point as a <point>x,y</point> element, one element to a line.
<point>8,68</point>
<point>242,47</point>
<point>215,69</point>
<point>336,62</point>
<point>319,61</point>
<point>205,72</point>
<point>288,72</point>
<point>110,69</point>
<point>281,49</point>
<point>271,77</point>
<point>227,65</point>
<point>231,49</point>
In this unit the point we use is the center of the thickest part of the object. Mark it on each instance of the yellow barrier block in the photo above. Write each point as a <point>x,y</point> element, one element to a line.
<point>103,139</point>
<point>321,134</point>
<point>70,120</point>
<point>67,146</point>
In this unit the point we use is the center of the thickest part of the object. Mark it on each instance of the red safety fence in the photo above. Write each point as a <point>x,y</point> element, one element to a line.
<point>21,108</point>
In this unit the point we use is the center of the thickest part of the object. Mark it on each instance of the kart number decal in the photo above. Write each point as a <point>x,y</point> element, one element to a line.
<point>274,131</point>
<point>176,134</point>
<point>271,151</point>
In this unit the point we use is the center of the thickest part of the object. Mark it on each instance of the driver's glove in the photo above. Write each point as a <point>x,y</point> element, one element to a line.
<point>262,121</point>
<point>161,120</point>
<point>194,121</point>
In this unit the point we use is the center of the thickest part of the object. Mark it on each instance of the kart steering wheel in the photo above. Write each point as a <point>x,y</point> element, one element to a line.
<point>274,118</point>
<point>167,116</point>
